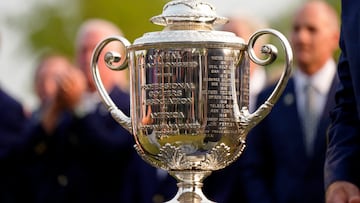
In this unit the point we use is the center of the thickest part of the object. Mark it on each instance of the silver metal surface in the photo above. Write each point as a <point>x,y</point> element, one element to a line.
<point>190,93</point>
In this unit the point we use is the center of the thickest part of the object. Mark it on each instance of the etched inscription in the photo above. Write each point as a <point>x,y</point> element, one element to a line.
<point>168,86</point>
<point>165,93</point>
<point>165,126</point>
<point>169,91</point>
<point>192,64</point>
<point>169,59</point>
<point>167,115</point>
<point>220,119</point>
<point>173,129</point>
<point>169,101</point>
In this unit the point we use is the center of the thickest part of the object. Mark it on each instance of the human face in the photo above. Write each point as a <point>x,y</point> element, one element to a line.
<point>314,38</point>
<point>86,45</point>
<point>47,77</point>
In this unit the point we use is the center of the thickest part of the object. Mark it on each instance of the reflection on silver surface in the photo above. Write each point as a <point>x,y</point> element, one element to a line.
<point>190,93</point>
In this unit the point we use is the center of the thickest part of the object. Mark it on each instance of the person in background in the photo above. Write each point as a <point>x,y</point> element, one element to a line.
<point>13,122</point>
<point>52,74</point>
<point>114,150</point>
<point>49,150</point>
<point>79,153</point>
<point>230,190</point>
<point>342,166</point>
<point>285,154</point>
<point>244,27</point>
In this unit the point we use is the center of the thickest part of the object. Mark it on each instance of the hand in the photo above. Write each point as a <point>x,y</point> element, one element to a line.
<point>71,86</point>
<point>342,192</point>
<point>147,120</point>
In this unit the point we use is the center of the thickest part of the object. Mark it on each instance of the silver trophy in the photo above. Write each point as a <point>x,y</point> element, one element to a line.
<point>190,92</point>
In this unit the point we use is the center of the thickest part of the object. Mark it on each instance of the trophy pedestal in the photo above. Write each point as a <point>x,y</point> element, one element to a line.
<point>190,186</point>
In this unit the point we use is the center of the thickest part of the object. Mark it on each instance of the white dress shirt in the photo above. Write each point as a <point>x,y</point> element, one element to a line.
<point>321,81</point>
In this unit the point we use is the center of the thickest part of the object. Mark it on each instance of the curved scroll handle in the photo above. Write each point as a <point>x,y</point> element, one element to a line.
<point>109,58</point>
<point>243,116</point>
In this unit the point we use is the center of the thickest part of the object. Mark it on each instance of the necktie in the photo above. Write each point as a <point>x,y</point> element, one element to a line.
<point>309,117</point>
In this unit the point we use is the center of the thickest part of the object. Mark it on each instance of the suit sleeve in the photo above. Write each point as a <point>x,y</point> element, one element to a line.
<point>343,152</point>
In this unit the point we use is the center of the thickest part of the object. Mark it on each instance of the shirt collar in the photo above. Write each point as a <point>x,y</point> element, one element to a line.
<point>321,80</point>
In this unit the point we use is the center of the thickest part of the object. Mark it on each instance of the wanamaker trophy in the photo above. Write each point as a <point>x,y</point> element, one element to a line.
<point>190,92</point>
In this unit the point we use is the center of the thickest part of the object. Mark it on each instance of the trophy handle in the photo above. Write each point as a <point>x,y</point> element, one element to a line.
<point>109,58</point>
<point>243,116</point>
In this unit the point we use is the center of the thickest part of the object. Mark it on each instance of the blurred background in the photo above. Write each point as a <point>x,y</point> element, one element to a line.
<point>30,27</point>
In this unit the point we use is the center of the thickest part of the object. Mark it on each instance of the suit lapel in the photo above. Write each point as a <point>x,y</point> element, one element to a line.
<point>288,105</point>
<point>320,142</point>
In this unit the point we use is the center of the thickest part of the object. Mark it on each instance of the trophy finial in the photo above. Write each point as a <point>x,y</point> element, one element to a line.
<point>188,12</point>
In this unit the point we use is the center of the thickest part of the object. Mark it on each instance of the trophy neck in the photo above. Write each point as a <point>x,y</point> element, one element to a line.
<point>189,26</point>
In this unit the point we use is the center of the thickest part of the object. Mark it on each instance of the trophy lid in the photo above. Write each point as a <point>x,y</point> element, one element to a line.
<point>189,21</point>
<point>179,12</point>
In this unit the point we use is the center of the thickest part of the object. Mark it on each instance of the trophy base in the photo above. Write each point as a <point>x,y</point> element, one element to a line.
<point>190,187</point>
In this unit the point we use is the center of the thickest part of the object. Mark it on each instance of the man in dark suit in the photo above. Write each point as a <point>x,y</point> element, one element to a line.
<point>14,121</point>
<point>116,173</point>
<point>78,152</point>
<point>342,166</point>
<point>283,161</point>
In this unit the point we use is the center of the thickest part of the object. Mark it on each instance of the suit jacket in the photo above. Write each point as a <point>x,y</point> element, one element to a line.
<point>149,187</point>
<point>13,122</point>
<point>275,165</point>
<point>86,159</point>
<point>343,155</point>
<point>226,185</point>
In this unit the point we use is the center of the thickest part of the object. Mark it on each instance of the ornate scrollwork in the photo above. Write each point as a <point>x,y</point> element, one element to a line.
<point>173,157</point>
<point>217,158</point>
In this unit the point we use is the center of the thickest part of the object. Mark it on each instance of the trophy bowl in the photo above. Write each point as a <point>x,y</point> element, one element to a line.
<point>190,92</point>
